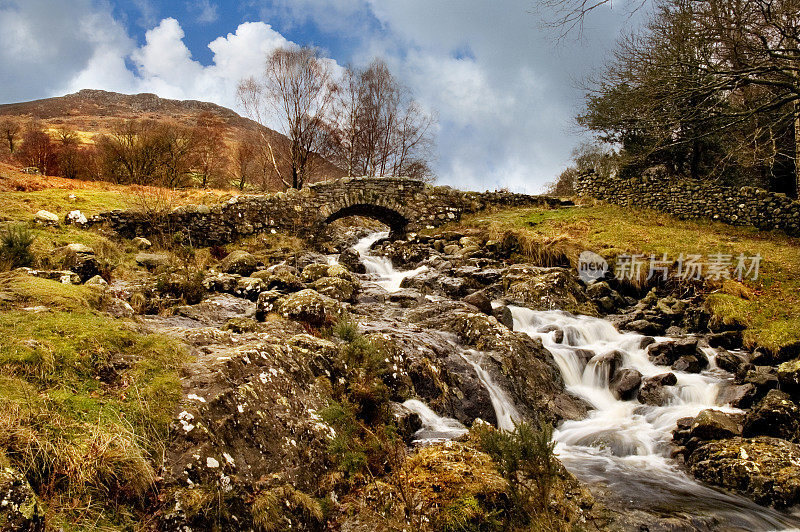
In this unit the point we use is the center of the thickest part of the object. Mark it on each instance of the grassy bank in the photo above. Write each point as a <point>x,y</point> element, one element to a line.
<point>768,306</point>
<point>85,401</point>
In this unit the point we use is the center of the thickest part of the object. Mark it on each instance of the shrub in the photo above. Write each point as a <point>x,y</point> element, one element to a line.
<point>15,246</point>
<point>525,459</point>
<point>346,329</point>
<point>359,411</point>
<point>186,285</point>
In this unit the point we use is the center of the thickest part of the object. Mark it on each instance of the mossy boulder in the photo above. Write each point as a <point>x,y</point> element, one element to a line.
<point>763,468</point>
<point>279,279</point>
<point>337,288</point>
<point>351,260</point>
<point>713,424</point>
<point>267,302</point>
<point>313,272</point>
<point>78,258</point>
<point>547,289</point>
<point>239,262</point>
<point>789,377</point>
<point>152,261</point>
<point>775,415</point>
<point>309,306</point>
<point>241,325</point>
<point>19,507</point>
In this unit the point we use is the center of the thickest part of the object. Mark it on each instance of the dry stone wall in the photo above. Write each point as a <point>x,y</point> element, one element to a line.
<point>405,205</point>
<point>697,199</point>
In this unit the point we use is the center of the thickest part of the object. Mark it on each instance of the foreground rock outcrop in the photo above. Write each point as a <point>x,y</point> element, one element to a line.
<point>766,469</point>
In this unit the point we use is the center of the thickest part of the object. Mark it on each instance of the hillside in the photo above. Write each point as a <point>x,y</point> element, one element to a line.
<point>90,113</point>
<point>95,111</point>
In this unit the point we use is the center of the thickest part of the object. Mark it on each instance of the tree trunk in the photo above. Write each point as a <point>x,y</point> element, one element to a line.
<point>796,149</point>
<point>695,161</point>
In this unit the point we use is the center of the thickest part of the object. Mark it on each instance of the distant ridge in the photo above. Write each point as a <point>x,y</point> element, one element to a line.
<point>106,106</point>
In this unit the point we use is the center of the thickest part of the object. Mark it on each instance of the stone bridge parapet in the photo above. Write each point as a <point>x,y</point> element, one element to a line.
<point>405,205</point>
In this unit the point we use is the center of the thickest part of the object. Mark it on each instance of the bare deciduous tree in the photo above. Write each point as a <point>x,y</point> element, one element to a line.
<point>378,129</point>
<point>210,157</point>
<point>38,150</point>
<point>244,164</point>
<point>69,156</point>
<point>297,88</point>
<point>10,130</point>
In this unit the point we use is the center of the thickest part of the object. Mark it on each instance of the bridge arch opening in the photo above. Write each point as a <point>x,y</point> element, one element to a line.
<point>396,222</point>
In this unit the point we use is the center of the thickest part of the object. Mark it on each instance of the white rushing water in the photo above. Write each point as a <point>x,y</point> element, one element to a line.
<point>504,408</point>
<point>380,267</point>
<point>625,444</point>
<point>621,428</point>
<point>434,427</point>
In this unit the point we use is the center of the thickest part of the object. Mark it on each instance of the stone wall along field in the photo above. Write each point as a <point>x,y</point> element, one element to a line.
<point>697,199</point>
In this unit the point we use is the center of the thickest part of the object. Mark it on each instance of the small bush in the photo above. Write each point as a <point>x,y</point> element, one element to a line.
<point>346,329</point>
<point>15,246</point>
<point>187,285</point>
<point>285,508</point>
<point>525,459</point>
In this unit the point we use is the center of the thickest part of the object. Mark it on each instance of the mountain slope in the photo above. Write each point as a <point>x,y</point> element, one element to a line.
<point>90,113</point>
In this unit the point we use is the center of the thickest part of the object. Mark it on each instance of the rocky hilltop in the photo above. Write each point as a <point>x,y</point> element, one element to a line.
<point>96,110</point>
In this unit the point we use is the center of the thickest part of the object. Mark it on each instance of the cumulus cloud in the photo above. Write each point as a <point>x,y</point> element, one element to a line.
<point>164,65</point>
<point>43,44</point>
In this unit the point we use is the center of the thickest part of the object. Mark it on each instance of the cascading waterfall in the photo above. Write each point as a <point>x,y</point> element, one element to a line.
<point>434,427</point>
<point>504,408</point>
<point>625,444</point>
<point>387,277</point>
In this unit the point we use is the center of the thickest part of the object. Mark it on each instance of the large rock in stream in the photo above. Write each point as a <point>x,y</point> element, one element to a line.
<point>765,469</point>
<point>311,307</point>
<point>546,289</point>
<point>519,363</point>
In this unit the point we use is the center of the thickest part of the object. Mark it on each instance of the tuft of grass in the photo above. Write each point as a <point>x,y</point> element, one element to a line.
<point>346,329</point>
<point>286,508</point>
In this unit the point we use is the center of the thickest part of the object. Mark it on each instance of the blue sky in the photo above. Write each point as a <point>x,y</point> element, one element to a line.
<point>504,89</point>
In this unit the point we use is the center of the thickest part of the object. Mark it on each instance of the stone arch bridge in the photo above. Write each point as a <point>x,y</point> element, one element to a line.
<point>405,205</point>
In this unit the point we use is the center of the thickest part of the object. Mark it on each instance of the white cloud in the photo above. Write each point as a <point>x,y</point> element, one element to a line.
<point>164,65</point>
<point>44,43</point>
<point>164,60</point>
<point>207,11</point>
